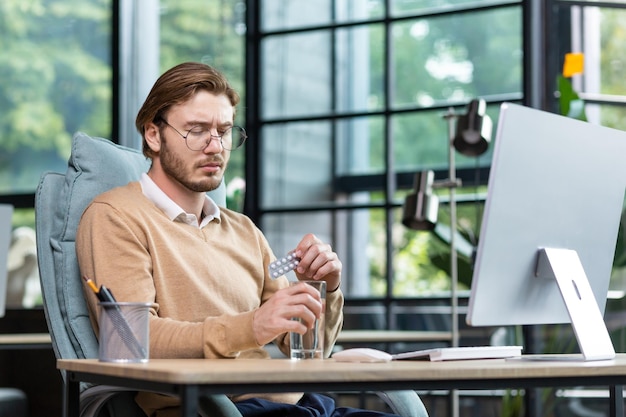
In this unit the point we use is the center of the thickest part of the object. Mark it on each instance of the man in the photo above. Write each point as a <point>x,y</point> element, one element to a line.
<point>203,268</point>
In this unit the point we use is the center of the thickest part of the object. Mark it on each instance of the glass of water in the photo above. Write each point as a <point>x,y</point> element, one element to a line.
<point>311,344</point>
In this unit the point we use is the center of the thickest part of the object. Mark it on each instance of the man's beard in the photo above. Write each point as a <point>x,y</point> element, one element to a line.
<point>176,169</point>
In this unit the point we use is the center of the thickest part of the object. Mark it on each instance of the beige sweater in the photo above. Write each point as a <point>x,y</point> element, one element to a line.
<point>204,284</point>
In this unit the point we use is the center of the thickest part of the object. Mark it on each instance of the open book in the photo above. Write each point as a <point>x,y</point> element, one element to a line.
<point>436,354</point>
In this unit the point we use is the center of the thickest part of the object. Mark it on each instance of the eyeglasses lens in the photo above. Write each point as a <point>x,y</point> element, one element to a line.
<point>232,139</point>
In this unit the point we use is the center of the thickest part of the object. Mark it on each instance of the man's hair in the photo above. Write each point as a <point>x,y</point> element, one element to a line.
<point>176,86</point>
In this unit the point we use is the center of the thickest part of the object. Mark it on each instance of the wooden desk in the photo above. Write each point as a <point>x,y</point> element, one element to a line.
<point>25,341</point>
<point>190,378</point>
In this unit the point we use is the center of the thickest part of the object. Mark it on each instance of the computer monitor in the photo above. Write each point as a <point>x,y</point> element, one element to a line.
<point>552,213</point>
<point>6,216</point>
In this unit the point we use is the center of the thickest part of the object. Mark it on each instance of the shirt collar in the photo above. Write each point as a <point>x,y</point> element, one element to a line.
<point>173,211</point>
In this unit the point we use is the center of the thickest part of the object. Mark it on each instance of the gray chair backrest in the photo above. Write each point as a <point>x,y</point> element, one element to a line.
<point>95,165</point>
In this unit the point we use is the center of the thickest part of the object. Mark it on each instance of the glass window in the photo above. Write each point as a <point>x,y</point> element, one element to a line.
<point>408,7</point>
<point>285,230</point>
<point>610,115</point>
<point>359,10</point>
<point>288,14</point>
<point>597,33</point>
<point>362,238</point>
<point>455,58</point>
<point>55,79</point>
<point>360,145</point>
<point>297,74</point>
<point>421,140</point>
<point>297,164</point>
<point>191,31</point>
<point>352,105</point>
<point>359,68</point>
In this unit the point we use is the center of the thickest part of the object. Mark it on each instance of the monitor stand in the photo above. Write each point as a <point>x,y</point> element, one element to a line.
<point>591,333</point>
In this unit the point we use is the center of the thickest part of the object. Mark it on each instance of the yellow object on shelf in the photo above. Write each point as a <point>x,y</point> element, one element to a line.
<point>574,64</point>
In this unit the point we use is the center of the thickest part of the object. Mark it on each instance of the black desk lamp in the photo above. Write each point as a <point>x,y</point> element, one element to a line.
<point>421,207</point>
<point>471,138</point>
<point>473,130</point>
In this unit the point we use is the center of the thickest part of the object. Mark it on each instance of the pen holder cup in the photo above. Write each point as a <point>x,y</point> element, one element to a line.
<point>124,332</point>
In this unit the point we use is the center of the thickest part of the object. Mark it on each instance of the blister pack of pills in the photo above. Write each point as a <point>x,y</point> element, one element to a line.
<point>281,266</point>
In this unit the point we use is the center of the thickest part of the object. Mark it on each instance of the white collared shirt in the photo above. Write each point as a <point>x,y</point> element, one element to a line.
<point>173,211</point>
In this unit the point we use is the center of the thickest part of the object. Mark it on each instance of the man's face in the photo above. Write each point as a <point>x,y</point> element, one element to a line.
<point>203,170</point>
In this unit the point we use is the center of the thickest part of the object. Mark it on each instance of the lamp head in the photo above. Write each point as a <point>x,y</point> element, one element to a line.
<point>421,207</point>
<point>473,130</point>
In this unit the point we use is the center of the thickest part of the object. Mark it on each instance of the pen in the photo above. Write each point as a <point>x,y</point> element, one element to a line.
<point>103,293</point>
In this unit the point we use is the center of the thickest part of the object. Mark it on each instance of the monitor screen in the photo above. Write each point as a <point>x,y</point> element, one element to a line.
<point>6,216</point>
<point>555,183</point>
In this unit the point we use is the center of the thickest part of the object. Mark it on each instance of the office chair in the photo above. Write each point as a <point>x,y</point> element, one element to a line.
<point>97,165</point>
<point>13,402</point>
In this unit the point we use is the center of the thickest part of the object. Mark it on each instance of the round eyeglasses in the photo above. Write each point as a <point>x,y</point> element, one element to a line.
<point>199,137</point>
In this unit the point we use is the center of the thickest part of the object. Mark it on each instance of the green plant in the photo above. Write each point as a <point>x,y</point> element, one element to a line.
<point>570,103</point>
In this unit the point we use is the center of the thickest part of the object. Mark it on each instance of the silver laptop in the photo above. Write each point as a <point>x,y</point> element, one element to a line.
<point>6,217</point>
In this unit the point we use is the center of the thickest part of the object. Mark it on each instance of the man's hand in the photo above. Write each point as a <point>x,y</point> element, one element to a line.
<point>274,317</point>
<point>318,262</point>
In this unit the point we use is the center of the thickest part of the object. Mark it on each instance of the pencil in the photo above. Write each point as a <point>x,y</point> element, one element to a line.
<point>91,285</point>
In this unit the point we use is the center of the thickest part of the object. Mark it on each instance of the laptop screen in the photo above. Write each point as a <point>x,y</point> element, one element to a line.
<point>6,216</point>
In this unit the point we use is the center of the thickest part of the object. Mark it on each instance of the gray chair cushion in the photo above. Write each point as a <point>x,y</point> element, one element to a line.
<point>95,165</point>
